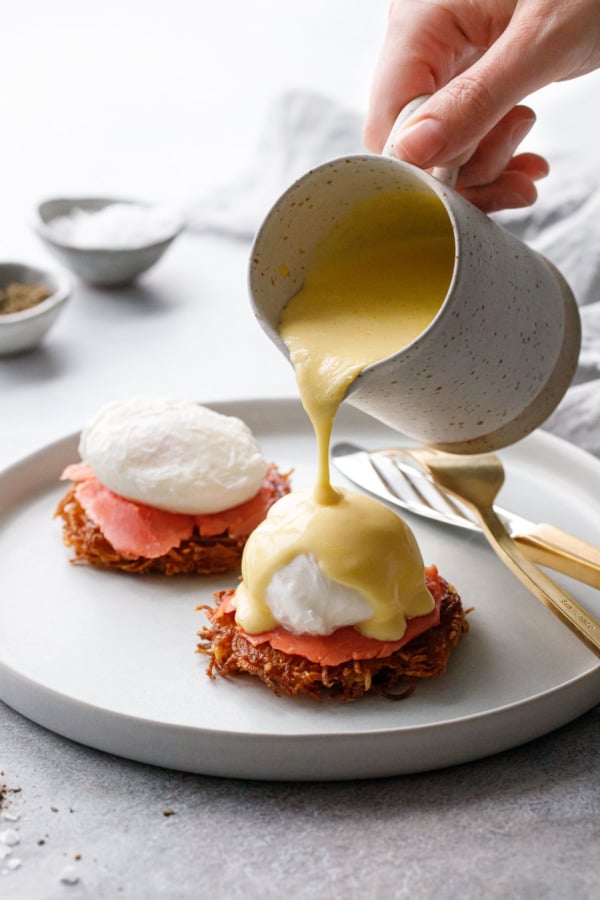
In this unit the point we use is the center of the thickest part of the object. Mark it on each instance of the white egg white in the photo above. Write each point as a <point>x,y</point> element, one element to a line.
<point>173,454</point>
<point>305,601</point>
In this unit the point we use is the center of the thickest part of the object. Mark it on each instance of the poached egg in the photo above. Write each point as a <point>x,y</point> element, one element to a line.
<point>313,568</point>
<point>173,454</point>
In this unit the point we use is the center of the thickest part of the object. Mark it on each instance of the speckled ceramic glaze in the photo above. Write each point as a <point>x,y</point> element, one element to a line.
<point>498,356</point>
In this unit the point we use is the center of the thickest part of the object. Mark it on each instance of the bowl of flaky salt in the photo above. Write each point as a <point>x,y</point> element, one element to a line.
<point>106,242</point>
<point>31,299</point>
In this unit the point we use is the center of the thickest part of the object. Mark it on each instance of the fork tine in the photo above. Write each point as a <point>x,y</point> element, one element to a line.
<point>407,483</point>
<point>386,467</point>
<point>413,468</point>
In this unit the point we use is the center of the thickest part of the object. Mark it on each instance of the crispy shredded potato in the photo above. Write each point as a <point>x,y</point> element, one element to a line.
<point>424,657</point>
<point>197,556</point>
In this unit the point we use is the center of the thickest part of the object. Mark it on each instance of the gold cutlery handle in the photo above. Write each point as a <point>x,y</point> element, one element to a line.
<point>549,546</point>
<point>584,626</point>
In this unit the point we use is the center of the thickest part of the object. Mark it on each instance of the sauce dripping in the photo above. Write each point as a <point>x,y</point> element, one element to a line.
<point>376,281</point>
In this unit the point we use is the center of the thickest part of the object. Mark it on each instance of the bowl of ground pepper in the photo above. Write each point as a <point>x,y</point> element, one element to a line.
<point>31,299</point>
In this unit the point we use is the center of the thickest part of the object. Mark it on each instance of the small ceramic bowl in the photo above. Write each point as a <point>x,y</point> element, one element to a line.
<point>23,330</point>
<point>103,265</point>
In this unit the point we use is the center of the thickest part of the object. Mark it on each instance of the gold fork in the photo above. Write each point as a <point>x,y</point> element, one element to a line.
<point>476,481</point>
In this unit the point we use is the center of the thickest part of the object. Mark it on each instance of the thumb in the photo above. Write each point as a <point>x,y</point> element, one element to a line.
<point>449,126</point>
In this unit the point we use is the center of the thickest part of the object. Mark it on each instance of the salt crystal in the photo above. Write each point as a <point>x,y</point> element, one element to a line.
<point>14,863</point>
<point>9,837</point>
<point>10,816</point>
<point>118,226</point>
<point>69,875</point>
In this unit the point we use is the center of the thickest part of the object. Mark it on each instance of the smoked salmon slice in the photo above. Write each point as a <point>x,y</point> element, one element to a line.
<point>131,528</point>
<point>137,530</point>
<point>346,643</point>
<point>241,519</point>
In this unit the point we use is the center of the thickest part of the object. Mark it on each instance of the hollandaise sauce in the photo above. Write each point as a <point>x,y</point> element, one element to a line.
<point>374,284</point>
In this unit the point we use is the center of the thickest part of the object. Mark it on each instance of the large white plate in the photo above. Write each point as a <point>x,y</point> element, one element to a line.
<point>108,659</point>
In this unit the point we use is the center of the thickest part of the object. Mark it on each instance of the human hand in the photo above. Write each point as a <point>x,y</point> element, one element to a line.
<point>477,60</point>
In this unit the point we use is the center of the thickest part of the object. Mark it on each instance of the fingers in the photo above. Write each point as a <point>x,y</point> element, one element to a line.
<point>448,128</point>
<point>477,60</point>
<point>497,148</point>
<point>476,132</point>
<point>421,52</point>
<point>529,164</point>
<point>494,178</point>
<point>512,189</point>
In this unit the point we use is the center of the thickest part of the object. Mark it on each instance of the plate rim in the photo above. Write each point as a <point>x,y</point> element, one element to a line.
<point>575,685</point>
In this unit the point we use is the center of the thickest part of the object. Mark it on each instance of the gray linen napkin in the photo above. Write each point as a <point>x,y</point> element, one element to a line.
<point>304,129</point>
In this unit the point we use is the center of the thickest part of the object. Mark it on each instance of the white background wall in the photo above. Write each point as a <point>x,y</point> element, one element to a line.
<point>155,98</point>
<point>162,98</point>
<point>161,101</point>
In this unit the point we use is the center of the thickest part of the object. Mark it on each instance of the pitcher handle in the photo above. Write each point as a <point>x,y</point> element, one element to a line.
<point>448,175</point>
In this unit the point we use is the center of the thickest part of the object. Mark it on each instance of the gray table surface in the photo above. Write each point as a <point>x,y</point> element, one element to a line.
<point>521,824</point>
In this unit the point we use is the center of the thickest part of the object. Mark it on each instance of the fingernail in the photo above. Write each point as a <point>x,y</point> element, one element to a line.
<point>420,143</point>
<point>521,130</point>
